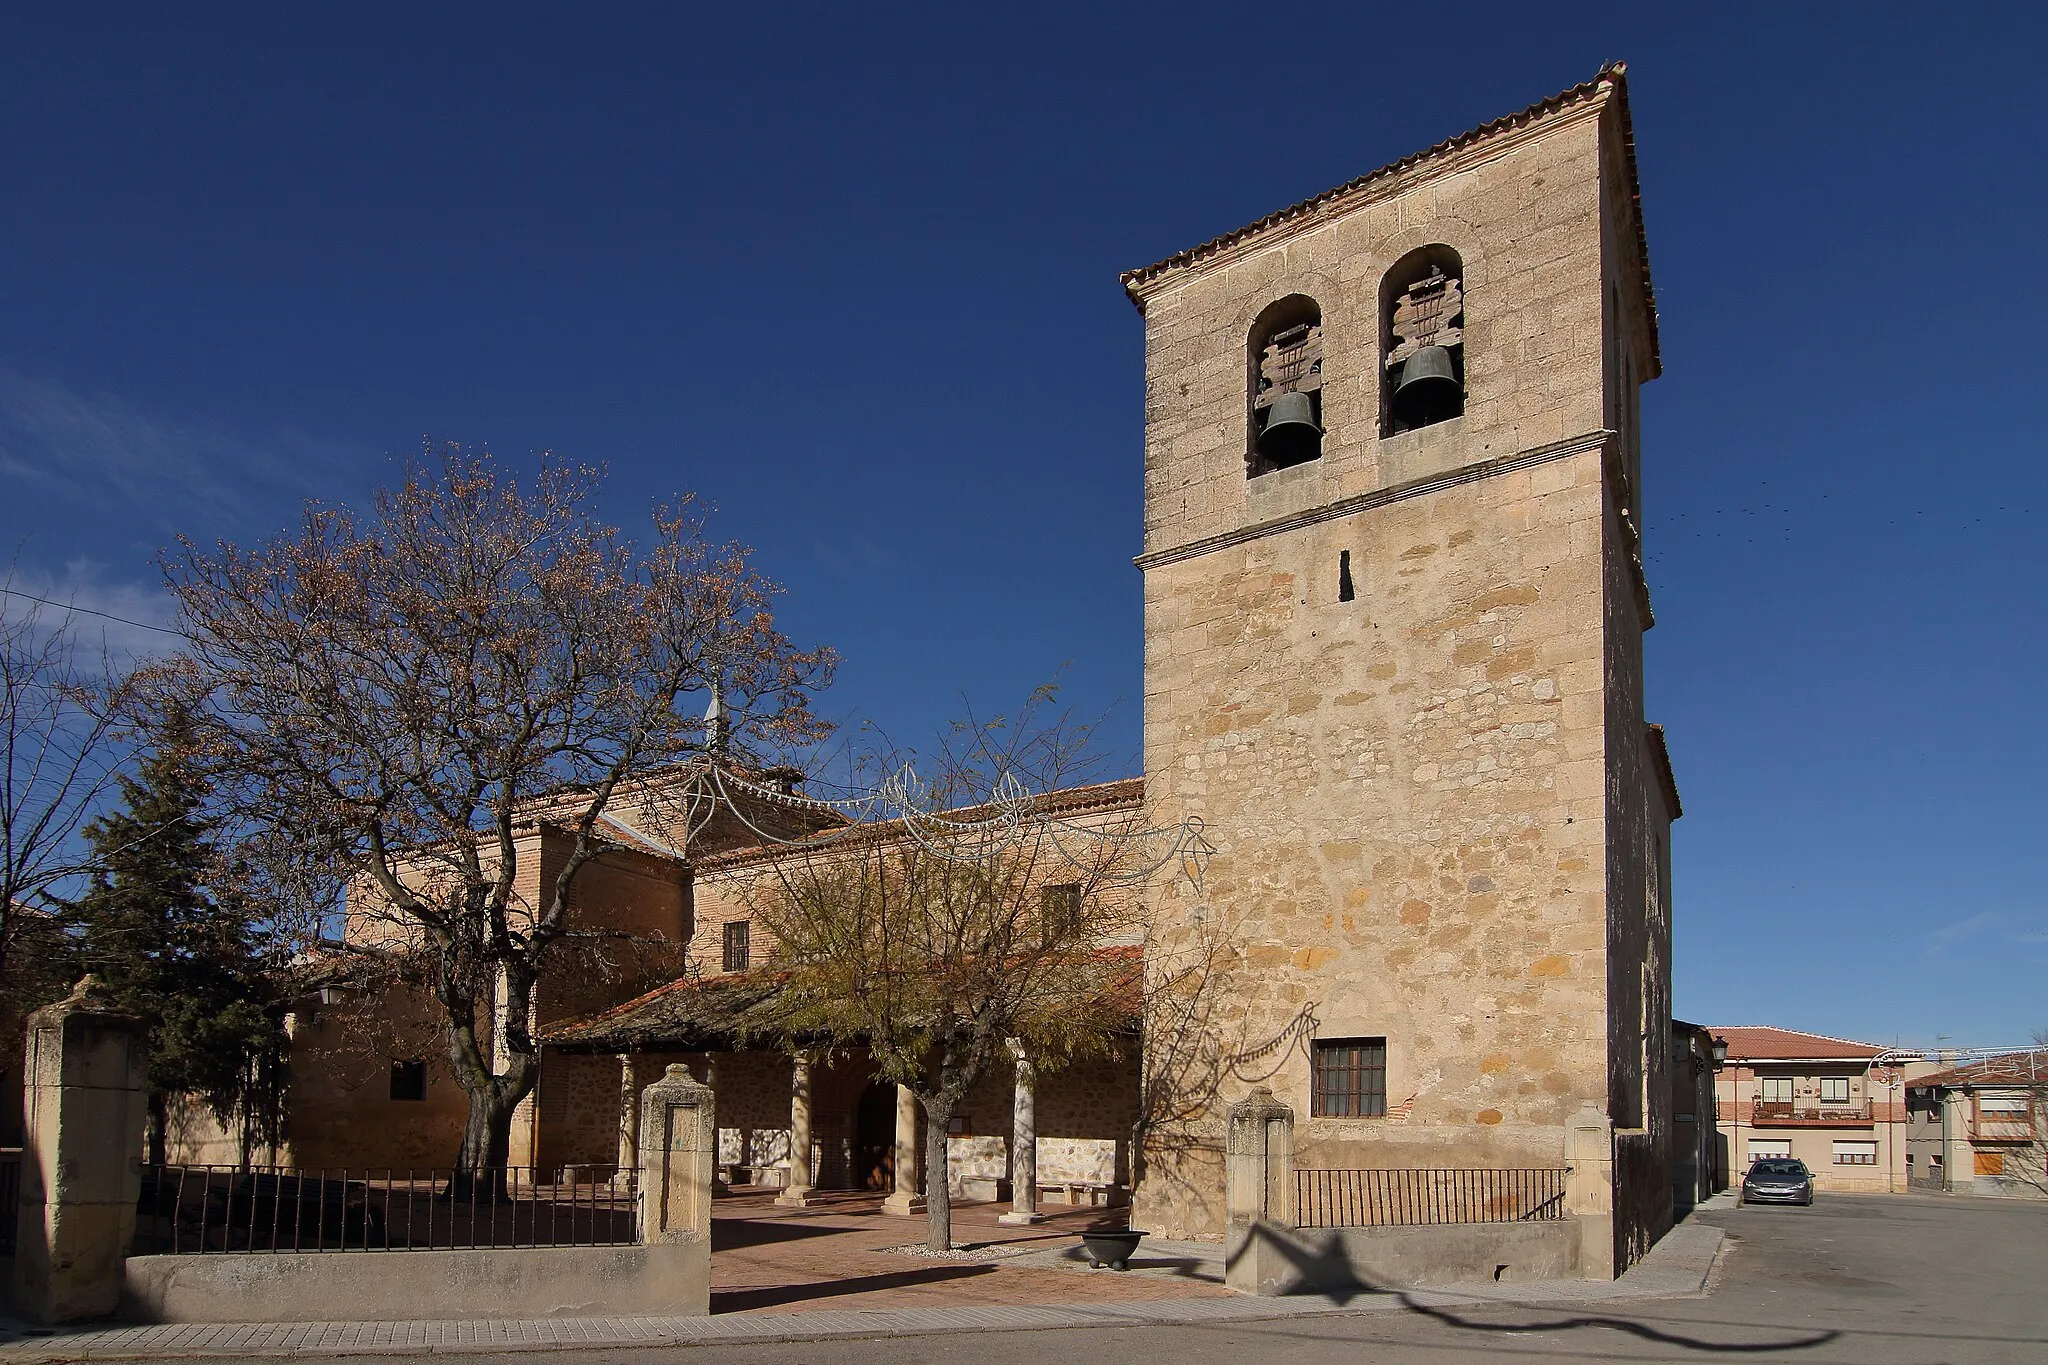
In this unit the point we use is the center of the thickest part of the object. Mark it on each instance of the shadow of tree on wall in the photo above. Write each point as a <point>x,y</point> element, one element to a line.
<point>1196,1041</point>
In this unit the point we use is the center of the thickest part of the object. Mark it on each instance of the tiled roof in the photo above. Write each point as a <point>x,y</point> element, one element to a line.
<point>1126,792</point>
<point>1761,1042</point>
<point>687,1014</point>
<point>1613,76</point>
<point>2019,1068</point>
<point>738,1009</point>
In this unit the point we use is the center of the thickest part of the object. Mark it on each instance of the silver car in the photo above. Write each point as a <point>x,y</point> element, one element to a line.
<point>1778,1180</point>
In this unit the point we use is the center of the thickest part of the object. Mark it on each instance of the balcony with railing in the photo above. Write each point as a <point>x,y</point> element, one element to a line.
<point>1809,1114</point>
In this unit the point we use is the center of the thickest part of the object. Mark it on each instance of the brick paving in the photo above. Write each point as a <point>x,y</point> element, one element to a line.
<point>768,1259</point>
<point>1175,1285</point>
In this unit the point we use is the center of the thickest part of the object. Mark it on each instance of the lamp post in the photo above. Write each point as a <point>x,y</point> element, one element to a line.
<point>1719,1048</point>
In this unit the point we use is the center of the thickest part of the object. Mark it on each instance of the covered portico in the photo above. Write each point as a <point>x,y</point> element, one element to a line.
<point>1015,1139</point>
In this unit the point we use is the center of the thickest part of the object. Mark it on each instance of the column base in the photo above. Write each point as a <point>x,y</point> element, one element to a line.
<point>796,1197</point>
<point>903,1205</point>
<point>1020,1216</point>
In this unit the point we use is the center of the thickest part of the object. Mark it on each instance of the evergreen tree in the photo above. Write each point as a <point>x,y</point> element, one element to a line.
<point>166,947</point>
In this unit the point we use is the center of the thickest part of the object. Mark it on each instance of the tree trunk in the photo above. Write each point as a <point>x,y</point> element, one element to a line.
<point>159,1122</point>
<point>938,1193</point>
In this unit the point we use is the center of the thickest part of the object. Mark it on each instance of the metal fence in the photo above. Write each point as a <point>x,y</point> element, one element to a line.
<point>1421,1198</point>
<point>191,1209</point>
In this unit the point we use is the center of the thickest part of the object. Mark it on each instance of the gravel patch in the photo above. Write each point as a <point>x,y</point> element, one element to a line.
<point>966,1251</point>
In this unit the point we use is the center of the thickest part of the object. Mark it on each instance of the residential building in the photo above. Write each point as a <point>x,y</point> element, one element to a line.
<point>1981,1127</point>
<point>1827,1101</point>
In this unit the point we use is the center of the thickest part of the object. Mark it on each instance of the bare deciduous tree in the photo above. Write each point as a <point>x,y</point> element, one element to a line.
<point>57,727</point>
<point>392,698</point>
<point>933,940</point>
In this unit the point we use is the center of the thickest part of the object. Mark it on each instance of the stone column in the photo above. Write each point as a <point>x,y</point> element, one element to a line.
<point>629,1114</point>
<point>1589,1189</point>
<point>906,1199</point>
<point>718,1180</point>
<point>1258,1180</point>
<point>85,1105</point>
<point>1023,1143</point>
<point>797,1193</point>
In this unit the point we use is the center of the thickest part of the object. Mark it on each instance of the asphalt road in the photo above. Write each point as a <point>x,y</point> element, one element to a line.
<point>1869,1279</point>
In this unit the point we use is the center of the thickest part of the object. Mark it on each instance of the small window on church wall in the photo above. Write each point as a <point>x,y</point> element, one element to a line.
<point>1286,386</point>
<point>1422,341</point>
<point>739,934</point>
<point>408,1080</point>
<point>1059,914</point>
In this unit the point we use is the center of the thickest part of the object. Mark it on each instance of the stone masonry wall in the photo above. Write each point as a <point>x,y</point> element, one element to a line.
<point>1408,791</point>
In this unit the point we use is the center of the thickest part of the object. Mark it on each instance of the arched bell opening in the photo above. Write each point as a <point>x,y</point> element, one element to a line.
<point>1422,340</point>
<point>1286,386</point>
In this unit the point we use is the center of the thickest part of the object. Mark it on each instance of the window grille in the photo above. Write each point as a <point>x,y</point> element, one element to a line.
<point>1059,914</point>
<point>1350,1079</point>
<point>739,935</point>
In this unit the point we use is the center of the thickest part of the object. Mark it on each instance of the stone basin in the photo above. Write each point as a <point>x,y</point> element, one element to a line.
<point>1110,1247</point>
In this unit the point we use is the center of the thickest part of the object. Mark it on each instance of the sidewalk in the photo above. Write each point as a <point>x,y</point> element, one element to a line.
<point>1676,1267</point>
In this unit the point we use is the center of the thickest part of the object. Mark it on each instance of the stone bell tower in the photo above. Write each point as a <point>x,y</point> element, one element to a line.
<point>1394,609</point>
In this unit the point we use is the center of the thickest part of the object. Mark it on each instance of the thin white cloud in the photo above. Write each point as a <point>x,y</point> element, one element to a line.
<point>119,621</point>
<point>1983,922</point>
<point>173,474</point>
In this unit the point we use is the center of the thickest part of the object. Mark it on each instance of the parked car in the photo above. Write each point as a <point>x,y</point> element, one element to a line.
<point>1778,1180</point>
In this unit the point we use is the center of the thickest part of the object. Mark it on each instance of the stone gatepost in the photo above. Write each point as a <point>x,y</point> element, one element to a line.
<point>678,1152</point>
<point>1589,1189</point>
<point>1258,1194</point>
<point>85,1106</point>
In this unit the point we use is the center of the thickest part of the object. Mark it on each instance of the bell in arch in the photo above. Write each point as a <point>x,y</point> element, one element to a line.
<point>1290,434</point>
<point>1429,390</point>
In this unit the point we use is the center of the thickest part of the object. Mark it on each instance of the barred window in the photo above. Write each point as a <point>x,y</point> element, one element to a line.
<point>738,941</point>
<point>408,1080</point>
<point>1855,1153</point>
<point>1350,1080</point>
<point>1059,914</point>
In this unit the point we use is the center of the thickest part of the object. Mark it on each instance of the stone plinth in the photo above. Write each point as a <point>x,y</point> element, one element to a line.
<point>84,1108</point>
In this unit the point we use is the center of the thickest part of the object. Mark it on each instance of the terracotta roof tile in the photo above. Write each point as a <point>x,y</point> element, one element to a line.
<point>2019,1068</point>
<point>1613,76</point>
<point>1762,1042</point>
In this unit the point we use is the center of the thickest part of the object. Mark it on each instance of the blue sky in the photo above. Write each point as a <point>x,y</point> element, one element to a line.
<point>851,274</point>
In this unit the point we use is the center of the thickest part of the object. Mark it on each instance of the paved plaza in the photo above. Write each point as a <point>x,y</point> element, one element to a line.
<point>1869,1280</point>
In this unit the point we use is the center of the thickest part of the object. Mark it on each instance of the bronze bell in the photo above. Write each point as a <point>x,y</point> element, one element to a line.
<point>1290,434</point>
<point>1429,390</point>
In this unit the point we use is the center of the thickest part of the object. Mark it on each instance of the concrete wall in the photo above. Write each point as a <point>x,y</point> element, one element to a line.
<point>1291,1260</point>
<point>384,1286</point>
<point>1431,804</point>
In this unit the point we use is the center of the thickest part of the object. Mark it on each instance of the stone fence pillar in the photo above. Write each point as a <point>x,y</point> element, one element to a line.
<point>85,1105</point>
<point>1589,1189</point>
<point>1258,1194</point>
<point>678,1154</point>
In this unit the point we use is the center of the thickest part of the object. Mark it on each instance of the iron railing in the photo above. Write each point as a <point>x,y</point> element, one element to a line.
<point>189,1209</point>
<point>1422,1198</point>
<point>1790,1112</point>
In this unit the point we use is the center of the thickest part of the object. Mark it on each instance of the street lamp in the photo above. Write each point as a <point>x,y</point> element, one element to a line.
<point>1720,1050</point>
